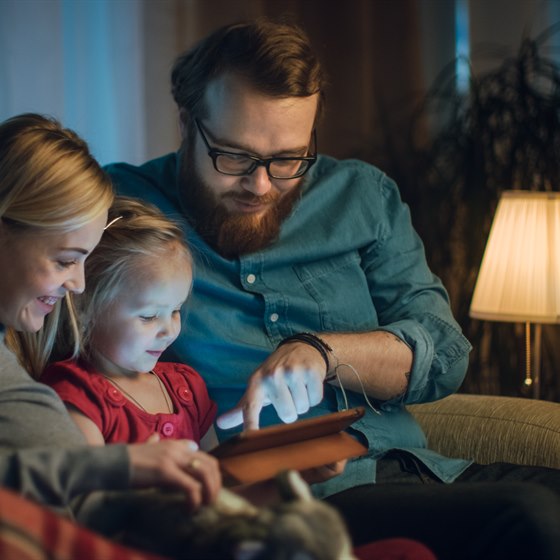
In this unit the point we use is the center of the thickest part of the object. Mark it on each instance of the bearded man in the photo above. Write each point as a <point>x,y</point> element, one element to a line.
<point>312,293</point>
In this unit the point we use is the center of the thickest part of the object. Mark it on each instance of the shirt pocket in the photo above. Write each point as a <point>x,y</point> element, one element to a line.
<point>339,291</point>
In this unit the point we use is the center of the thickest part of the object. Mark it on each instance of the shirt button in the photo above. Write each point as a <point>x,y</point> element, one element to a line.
<point>168,429</point>
<point>274,317</point>
<point>251,278</point>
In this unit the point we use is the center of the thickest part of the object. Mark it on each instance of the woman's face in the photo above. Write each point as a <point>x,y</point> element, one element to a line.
<point>39,268</point>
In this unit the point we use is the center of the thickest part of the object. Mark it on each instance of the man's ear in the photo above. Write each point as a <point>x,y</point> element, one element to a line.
<point>184,123</point>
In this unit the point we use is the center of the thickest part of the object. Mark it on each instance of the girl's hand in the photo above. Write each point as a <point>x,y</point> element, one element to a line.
<point>176,464</point>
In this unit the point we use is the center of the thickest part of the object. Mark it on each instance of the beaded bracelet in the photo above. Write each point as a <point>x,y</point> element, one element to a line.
<point>312,340</point>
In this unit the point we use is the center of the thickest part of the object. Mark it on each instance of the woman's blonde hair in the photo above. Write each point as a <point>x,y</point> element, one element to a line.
<point>137,234</point>
<point>49,181</point>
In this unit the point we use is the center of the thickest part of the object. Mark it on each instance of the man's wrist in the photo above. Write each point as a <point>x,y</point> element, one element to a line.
<point>316,342</point>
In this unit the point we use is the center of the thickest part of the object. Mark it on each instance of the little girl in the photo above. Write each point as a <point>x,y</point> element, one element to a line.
<point>138,277</point>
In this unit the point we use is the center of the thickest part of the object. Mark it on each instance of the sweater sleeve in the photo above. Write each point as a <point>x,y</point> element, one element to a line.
<point>55,476</point>
<point>43,455</point>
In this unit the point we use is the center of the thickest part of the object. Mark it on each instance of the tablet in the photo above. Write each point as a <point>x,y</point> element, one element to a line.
<point>256,455</point>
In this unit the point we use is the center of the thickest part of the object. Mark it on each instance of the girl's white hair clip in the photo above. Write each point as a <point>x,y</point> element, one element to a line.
<point>112,222</point>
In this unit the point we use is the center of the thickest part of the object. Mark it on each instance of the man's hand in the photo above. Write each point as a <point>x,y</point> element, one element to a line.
<point>291,379</point>
<point>265,492</point>
<point>323,473</point>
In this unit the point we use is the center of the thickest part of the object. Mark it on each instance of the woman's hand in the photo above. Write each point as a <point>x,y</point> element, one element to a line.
<point>176,464</point>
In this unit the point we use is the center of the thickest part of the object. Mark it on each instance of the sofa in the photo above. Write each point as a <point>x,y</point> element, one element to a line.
<point>488,429</point>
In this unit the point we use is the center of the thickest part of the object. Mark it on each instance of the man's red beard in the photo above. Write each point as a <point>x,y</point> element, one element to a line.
<point>231,234</point>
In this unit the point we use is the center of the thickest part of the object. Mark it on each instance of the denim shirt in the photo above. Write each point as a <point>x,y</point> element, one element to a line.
<point>347,260</point>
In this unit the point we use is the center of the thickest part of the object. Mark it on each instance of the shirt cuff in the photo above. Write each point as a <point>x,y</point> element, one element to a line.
<point>436,371</point>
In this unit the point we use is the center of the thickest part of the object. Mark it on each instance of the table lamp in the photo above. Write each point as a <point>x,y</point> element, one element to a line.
<point>519,278</point>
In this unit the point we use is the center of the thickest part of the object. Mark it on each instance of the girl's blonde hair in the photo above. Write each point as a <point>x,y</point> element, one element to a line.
<point>49,181</point>
<point>137,235</point>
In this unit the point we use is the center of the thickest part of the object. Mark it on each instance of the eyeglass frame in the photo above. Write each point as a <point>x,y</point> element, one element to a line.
<point>214,153</point>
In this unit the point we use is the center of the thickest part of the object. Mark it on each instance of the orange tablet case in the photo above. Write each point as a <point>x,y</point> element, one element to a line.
<point>257,455</point>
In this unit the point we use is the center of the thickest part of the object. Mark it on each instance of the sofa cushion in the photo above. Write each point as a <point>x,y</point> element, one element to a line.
<point>489,429</point>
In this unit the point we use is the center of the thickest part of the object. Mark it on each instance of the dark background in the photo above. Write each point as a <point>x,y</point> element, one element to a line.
<point>102,67</point>
<point>393,102</point>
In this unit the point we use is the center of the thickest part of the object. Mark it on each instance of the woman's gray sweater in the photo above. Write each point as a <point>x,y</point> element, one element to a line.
<point>43,455</point>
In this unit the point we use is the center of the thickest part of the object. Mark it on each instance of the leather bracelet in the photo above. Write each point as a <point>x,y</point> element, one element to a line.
<point>311,340</point>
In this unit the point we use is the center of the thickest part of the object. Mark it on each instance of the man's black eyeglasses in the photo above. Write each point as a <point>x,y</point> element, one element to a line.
<point>237,164</point>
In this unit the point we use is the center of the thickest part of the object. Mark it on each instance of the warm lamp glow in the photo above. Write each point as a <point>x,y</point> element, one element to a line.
<point>519,278</point>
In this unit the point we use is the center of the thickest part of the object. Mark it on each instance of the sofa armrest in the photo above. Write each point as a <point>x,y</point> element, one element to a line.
<point>488,429</point>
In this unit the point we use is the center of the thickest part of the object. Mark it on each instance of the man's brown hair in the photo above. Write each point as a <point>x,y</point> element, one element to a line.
<point>275,58</point>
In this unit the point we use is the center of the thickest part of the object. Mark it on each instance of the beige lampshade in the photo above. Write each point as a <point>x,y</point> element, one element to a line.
<point>519,278</point>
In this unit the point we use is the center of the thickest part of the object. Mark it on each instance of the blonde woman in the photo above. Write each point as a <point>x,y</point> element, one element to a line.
<point>54,200</point>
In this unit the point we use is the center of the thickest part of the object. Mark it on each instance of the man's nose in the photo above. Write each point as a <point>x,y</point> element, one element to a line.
<point>258,182</point>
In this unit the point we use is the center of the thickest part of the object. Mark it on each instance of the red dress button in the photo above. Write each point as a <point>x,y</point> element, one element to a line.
<point>184,394</point>
<point>114,396</point>
<point>167,429</point>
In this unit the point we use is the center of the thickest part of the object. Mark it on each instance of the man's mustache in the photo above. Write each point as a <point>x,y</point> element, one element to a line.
<point>250,198</point>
